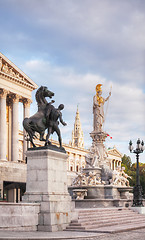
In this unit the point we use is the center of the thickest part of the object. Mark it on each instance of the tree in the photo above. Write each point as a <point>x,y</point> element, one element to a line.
<point>130,169</point>
<point>141,174</point>
<point>126,162</point>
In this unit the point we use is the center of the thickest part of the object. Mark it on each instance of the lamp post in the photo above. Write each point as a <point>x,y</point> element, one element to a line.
<point>137,190</point>
<point>26,139</point>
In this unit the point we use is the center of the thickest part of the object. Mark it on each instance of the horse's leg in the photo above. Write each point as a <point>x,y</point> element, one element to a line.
<point>32,143</point>
<point>31,139</point>
<point>42,136</point>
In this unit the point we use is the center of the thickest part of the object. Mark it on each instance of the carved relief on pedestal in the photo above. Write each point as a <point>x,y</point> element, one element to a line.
<point>80,180</point>
<point>79,194</point>
<point>93,180</point>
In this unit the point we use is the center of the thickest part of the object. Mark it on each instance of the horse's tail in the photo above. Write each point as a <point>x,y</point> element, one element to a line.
<point>27,127</point>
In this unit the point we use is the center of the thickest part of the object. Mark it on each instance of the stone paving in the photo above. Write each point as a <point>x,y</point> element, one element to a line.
<point>130,235</point>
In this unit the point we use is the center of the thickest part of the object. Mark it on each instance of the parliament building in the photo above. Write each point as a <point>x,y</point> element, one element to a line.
<point>16,87</point>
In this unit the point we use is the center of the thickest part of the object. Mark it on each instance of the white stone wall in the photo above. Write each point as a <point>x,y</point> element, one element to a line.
<point>20,216</point>
<point>13,172</point>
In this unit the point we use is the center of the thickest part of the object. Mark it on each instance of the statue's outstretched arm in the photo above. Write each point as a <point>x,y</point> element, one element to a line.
<point>61,120</point>
<point>108,97</point>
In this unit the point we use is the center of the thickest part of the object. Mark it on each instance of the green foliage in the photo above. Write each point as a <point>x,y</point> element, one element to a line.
<point>130,169</point>
<point>126,162</point>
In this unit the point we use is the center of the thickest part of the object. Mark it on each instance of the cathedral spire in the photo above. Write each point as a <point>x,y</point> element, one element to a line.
<point>77,133</point>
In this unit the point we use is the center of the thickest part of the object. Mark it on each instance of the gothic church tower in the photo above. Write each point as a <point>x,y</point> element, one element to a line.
<point>77,133</point>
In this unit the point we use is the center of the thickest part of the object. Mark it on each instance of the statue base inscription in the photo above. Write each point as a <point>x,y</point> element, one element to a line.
<point>47,185</point>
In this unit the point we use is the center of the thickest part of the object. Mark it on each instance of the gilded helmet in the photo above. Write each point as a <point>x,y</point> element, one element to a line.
<point>98,87</point>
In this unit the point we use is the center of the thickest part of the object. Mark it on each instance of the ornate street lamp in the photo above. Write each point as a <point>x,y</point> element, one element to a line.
<point>137,190</point>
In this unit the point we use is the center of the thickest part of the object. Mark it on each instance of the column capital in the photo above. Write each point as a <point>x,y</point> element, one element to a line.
<point>27,102</point>
<point>15,98</point>
<point>3,93</point>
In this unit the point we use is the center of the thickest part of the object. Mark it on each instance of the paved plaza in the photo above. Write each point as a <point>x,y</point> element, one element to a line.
<point>129,235</point>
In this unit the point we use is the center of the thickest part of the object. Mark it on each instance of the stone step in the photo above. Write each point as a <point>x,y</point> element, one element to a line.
<point>110,220</point>
<point>110,229</point>
<point>100,225</point>
<point>107,221</point>
<point>119,228</point>
<point>93,218</point>
<point>107,210</point>
<point>106,217</point>
<point>114,209</point>
<point>75,228</point>
<point>75,224</point>
<point>102,212</point>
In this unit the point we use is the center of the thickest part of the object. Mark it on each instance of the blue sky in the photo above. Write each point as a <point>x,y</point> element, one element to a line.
<point>72,45</point>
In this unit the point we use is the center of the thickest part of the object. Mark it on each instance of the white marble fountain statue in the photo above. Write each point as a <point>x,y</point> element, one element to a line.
<point>98,185</point>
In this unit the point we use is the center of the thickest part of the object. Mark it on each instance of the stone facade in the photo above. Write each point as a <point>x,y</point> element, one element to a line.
<point>15,87</point>
<point>114,157</point>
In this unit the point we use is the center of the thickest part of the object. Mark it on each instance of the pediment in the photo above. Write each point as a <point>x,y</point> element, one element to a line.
<point>11,72</point>
<point>114,152</point>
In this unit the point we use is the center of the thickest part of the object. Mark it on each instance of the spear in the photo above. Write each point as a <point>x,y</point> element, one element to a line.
<point>107,103</point>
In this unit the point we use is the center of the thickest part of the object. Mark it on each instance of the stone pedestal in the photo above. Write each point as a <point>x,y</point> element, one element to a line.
<point>111,192</point>
<point>47,185</point>
<point>98,140</point>
<point>125,192</point>
<point>95,192</point>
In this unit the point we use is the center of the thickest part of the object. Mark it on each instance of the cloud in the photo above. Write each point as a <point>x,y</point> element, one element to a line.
<point>70,46</point>
<point>101,36</point>
<point>125,110</point>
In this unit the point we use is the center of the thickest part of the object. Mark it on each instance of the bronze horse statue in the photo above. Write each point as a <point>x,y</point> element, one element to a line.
<point>45,118</point>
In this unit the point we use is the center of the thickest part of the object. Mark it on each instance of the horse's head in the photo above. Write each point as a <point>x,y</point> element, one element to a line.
<point>46,92</point>
<point>41,93</point>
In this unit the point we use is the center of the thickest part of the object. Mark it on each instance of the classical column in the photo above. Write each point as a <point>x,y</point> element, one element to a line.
<point>3,130</point>
<point>111,164</point>
<point>15,127</point>
<point>26,108</point>
<point>114,165</point>
<point>75,159</point>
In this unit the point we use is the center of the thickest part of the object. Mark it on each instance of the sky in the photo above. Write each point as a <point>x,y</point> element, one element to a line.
<point>70,46</point>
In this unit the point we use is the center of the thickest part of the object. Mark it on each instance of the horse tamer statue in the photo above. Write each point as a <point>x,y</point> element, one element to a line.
<point>47,117</point>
